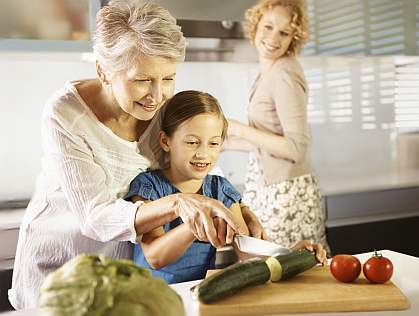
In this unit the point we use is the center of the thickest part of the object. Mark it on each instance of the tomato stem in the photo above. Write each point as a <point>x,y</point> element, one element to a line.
<point>377,254</point>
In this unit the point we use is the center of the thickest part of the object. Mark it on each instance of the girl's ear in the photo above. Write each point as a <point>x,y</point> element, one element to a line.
<point>164,141</point>
<point>101,74</point>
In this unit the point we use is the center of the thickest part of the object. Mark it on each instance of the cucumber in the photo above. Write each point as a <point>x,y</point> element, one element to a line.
<point>295,262</point>
<point>251,273</point>
<point>231,280</point>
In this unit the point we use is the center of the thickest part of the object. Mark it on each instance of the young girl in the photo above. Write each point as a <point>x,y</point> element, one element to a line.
<point>192,132</point>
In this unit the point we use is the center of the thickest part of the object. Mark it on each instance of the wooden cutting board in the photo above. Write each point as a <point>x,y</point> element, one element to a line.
<point>314,291</point>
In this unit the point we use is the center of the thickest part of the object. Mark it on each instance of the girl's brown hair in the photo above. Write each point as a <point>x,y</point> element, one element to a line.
<point>187,104</point>
<point>299,21</point>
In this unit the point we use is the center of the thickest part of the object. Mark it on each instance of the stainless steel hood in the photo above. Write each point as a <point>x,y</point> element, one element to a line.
<point>211,29</point>
<point>207,10</point>
<point>209,18</point>
<point>204,10</point>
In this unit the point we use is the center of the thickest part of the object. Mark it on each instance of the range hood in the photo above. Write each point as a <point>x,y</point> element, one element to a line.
<point>213,28</point>
<point>207,10</point>
<point>209,18</point>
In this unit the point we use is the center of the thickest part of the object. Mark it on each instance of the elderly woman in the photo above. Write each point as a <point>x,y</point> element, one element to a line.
<point>280,187</point>
<point>98,134</point>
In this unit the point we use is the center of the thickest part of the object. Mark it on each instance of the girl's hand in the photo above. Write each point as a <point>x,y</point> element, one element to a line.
<point>253,224</point>
<point>198,213</point>
<point>318,248</point>
<point>225,233</point>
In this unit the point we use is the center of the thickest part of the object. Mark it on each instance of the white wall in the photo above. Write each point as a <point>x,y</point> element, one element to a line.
<point>28,80</point>
<point>26,83</point>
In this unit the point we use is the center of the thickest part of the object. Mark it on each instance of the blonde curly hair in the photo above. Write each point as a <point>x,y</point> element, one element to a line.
<point>299,21</point>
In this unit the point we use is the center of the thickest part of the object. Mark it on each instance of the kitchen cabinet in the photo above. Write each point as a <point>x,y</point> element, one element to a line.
<point>5,284</point>
<point>11,215</point>
<point>377,219</point>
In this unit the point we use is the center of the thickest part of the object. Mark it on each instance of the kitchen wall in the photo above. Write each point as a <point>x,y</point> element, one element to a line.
<point>26,83</point>
<point>360,107</point>
<point>353,124</point>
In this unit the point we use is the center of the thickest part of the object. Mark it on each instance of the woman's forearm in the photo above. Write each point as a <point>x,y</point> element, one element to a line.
<point>167,248</point>
<point>155,214</point>
<point>237,144</point>
<point>275,144</point>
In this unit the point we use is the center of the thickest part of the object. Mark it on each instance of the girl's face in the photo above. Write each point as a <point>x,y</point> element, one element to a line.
<point>143,89</point>
<point>194,147</point>
<point>274,33</point>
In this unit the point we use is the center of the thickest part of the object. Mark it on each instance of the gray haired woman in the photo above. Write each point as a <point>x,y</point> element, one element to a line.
<point>98,134</point>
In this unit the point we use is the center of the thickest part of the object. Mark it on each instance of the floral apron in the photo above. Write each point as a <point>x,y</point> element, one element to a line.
<point>290,211</point>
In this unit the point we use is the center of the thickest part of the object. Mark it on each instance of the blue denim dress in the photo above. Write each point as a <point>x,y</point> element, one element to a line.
<point>200,256</point>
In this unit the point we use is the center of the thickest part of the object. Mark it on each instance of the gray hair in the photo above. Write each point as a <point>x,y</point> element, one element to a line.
<point>126,29</point>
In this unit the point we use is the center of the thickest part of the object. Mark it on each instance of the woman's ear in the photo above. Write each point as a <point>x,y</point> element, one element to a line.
<point>164,141</point>
<point>101,74</point>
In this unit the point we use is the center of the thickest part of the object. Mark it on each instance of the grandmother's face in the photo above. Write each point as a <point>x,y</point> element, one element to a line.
<point>274,33</point>
<point>143,89</point>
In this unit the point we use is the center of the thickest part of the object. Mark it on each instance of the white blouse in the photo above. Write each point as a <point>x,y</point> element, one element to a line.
<point>78,204</point>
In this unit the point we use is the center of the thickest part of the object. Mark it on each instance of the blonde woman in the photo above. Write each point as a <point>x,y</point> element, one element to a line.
<point>279,185</point>
<point>98,134</point>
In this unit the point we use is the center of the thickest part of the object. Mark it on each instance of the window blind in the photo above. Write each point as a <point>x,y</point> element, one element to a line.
<point>363,27</point>
<point>407,95</point>
<point>368,93</point>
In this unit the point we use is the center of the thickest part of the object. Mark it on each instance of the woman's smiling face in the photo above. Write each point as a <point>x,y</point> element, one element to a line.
<point>195,146</point>
<point>142,90</point>
<point>274,33</point>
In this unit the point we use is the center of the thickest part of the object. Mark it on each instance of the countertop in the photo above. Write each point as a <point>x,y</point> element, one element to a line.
<point>374,181</point>
<point>406,277</point>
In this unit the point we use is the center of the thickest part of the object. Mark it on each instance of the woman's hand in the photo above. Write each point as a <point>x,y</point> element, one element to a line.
<point>318,248</point>
<point>255,227</point>
<point>198,213</point>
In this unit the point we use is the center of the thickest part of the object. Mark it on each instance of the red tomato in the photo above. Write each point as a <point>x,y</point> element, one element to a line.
<point>378,269</point>
<point>345,268</point>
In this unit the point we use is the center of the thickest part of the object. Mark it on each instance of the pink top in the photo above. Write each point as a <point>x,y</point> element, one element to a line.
<point>278,104</point>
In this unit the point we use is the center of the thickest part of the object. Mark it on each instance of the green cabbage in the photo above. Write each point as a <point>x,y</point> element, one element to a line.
<point>91,285</point>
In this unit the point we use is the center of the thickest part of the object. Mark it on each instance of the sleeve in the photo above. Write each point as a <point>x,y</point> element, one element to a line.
<point>83,182</point>
<point>224,191</point>
<point>234,143</point>
<point>290,98</point>
<point>142,185</point>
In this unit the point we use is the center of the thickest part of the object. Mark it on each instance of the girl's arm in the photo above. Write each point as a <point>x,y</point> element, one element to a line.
<point>160,248</point>
<point>238,216</point>
<point>196,211</point>
<point>225,233</point>
<point>253,224</point>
